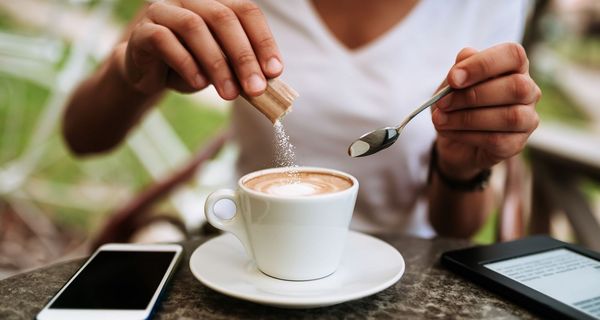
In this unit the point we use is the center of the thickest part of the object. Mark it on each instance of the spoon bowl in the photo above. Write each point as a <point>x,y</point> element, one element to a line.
<point>381,138</point>
<point>377,140</point>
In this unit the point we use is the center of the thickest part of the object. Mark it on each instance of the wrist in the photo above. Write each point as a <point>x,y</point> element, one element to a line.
<point>453,171</point>
<point>459,179</point>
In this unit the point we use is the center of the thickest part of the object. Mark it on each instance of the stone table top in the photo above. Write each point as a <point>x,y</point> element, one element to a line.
<point>426,290</point>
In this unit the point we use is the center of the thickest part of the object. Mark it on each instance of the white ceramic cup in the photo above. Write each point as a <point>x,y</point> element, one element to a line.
<point>289,237</point>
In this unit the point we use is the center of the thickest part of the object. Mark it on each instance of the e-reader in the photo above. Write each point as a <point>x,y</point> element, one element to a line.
<point>547,276</point>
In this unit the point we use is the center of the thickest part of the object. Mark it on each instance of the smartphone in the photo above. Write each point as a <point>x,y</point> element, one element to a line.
<point>119,281</point>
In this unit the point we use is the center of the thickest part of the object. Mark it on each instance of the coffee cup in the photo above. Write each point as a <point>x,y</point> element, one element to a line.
<point>293,222</point>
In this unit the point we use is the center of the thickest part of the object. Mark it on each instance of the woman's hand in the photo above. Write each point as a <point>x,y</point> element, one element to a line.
<point>188,44</point>
<point>490,115</point>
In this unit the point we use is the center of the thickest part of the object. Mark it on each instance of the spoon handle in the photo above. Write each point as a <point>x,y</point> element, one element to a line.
<point>437,96</point>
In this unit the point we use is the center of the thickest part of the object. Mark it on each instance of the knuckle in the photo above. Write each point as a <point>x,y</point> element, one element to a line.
<point>522,87</point>
<point>507,151</point>
<point>471,97</point>
<point>518,53</point>
<point>244,58</point>
<point>223,15</point>
<point>466,119</point>
<point>486,64</point>
<point>158,36</point>
<point>265,43</point>
<point>247,8</point>
<point>155,7</point>
<point>140,25</point>
<point>535,119</point>
<point>186,63</point>
<point>495,141</point>
<point>538,93</point>
<point>512,145</point>
<point>190,22</point>
<point>218,64</point>
<point>514,117</point>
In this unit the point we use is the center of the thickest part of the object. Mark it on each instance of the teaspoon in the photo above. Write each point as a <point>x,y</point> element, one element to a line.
<point>379,139</point>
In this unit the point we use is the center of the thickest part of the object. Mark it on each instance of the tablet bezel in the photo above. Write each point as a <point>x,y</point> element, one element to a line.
<point>470,264</point>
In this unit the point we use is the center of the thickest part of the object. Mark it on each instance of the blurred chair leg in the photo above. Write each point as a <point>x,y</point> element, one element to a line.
<point>578,210</point>
<point>542,206</point>
<point>512,210</point>
<point>556,189</point>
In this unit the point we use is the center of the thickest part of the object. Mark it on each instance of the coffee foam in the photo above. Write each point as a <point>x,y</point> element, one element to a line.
<point>305,184</point>
<point>292,189</point>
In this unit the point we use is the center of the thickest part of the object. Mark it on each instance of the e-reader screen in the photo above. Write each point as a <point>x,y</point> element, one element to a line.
<point>562,274</point>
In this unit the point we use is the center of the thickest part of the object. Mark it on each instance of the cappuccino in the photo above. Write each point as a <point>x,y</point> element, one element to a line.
<point>306,183</point>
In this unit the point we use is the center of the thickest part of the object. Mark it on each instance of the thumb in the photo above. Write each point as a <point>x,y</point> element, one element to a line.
<point>465,53</point>
<point>462,55</point>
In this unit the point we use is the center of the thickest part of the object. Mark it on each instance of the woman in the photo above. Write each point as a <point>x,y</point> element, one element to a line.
<point>358,65</point>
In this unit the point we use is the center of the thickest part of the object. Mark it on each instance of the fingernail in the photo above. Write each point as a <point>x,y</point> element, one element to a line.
<point>229,89</point>
<point>200,81</point>
<point>459,76</point>
<point>440,117</point>
<point>274,66</point>
<point>255,83</point>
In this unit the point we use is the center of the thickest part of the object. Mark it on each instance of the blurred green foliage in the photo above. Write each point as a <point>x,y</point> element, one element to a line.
<point>585,51</point>
<point>194,124</point>
<point>487,233</point>
<point>5,21</point>
<point>591,190</point>
<point>21,104</point>
<point>124,10</point>
<point>556,106</point>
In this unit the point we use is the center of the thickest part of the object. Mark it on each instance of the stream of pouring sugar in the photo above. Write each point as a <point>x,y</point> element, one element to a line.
<point>284,152</point>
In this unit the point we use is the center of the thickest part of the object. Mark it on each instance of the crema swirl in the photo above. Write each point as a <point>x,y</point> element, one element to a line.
<point>304,184</point>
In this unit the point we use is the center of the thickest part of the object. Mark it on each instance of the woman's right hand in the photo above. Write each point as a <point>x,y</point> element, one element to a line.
<point>188,44</point>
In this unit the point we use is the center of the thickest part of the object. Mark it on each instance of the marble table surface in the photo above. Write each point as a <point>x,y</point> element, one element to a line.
<point>426,290</point>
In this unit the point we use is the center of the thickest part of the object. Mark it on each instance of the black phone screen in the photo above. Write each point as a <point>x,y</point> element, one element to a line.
<point>122,280</point>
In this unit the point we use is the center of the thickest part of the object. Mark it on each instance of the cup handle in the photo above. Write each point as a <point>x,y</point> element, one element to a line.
<point>236,224</point>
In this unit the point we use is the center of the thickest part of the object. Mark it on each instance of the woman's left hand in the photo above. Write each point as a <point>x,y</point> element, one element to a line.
<point>491,113</point>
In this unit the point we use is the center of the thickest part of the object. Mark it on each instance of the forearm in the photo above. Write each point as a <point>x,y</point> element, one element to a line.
<point>104,108</point>
<point>457,213</point>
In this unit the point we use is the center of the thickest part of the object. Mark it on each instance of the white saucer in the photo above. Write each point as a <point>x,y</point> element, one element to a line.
<point>368,266</point>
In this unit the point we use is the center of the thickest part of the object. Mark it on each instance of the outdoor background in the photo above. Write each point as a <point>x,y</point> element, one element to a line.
<point>52,204</point>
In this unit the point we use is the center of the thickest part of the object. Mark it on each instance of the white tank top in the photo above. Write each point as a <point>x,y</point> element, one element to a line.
<point>345,93</point>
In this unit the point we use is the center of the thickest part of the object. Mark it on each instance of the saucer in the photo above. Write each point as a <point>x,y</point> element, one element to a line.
<point>368,266</point>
